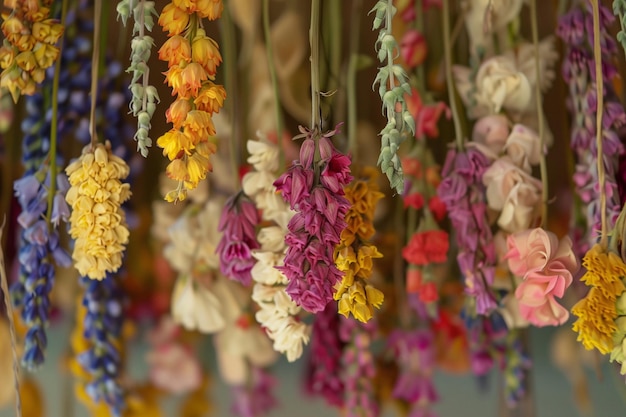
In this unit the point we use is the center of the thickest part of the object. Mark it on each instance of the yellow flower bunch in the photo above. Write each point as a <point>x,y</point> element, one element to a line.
<point>192,59</point>
<point>98,223</point>
<point>355,254</point>
<point>28,47</point>
<point>597,312</point>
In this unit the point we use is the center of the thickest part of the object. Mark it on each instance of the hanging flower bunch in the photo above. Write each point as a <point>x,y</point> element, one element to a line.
<point>278,314</point>
<point>192,59</point>
<point>355,254</point>
<point>392,86</point>
<point>145,97</point>
<point>98,224</point>
<point>313,187</point>
<point>29,45</point>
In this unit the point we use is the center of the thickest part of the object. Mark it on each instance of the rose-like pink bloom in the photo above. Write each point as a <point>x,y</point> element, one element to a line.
<point>539,250</point>
<point>413,48</point>
<point>174,368</point>
<point>538,306</point>
<point>547,267</point>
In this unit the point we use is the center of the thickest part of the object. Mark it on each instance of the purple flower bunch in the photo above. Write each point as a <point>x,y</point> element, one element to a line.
<point>238,226</point>
<point>462,191</point>
<point>313,187</point>
<point>576,30</point>
<point>415,353</point>
<point>256,400</point>
<point>38,253</point>
<point>103,301</point>
<point>323,375</point>
<point>358,368</point>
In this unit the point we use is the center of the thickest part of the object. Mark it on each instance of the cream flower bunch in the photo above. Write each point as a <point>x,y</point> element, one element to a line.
<point>278,313</point>
<point>98,223</point>
<point>202,299</point>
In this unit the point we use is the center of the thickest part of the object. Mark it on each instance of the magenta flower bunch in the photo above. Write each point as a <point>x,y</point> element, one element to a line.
<point>313,187</point>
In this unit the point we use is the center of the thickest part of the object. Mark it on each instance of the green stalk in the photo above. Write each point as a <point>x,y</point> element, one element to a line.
<point>458,130</point>
<point>315,71</point>
<point>95,60</point>
<point>355,22</point>
<point>272,69</point>
<point>228,42</point>
<point>54,121</point>
<point>542,162</point>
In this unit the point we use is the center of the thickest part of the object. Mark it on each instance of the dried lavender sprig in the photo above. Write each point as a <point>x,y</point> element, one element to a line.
<point>103,301</point>
<point>144,96</point>
<point>392,86</point>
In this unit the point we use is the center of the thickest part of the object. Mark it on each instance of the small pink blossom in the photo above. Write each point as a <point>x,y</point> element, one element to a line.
<point>426,115</point>
<point>413,48</point>
<point>174,368</point>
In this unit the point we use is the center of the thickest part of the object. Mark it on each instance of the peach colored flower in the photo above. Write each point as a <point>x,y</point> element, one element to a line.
<point>547,267</point>
<point>174,368</point>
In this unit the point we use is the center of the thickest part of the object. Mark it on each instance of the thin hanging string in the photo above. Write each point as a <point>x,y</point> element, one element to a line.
<point>315,55</point>
<point>4,284</point>
<point>95,64</point>
<point>447,47</point>
<point>542,162</point>
<point>597,57</point>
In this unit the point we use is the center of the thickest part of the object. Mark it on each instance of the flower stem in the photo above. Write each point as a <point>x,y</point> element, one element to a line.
<point>95,65</point>
<point>4,285</point>
<point>355,24</point>
<point>597,57</point>
<point>228,41</point>
<point>542,162</point>
<point>458,130</point>
<point>315,59</point>
<point>419,26</point>
<point>54,120</point>
<point>269,48</point>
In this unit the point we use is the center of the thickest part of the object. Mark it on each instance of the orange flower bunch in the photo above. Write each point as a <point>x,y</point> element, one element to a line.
<point>192,59</point>
<point>28,47</point>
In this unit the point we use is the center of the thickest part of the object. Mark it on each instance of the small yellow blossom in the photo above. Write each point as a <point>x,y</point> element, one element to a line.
<point>354,255</point>
<point>173,20</point>
<point>175,143</point>
<point>211,98</point>
<point>28,46</point>
<point>597,312</point>
<point>177,112</point>
<point>205,51</point>
<point>175,50</point>
<point>98,223</point>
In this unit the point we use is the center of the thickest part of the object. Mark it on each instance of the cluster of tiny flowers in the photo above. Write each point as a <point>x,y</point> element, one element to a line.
<point>358,368</point>
<point>277,312</point>
<point>393,84</point>
<point>597,311</point>
<point>98,224</point>
<point>576,30</point>
<point>462,192</point>
<point>192,59</point>
<point>145,97</point>
<point>314,189</point>
<point>96,342</point>
<point>618,353</point>
<point>323,375</point>
<point>28,47</point>
<point>238,226</point>
<point>39,251</point>
<point>354,255</point>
